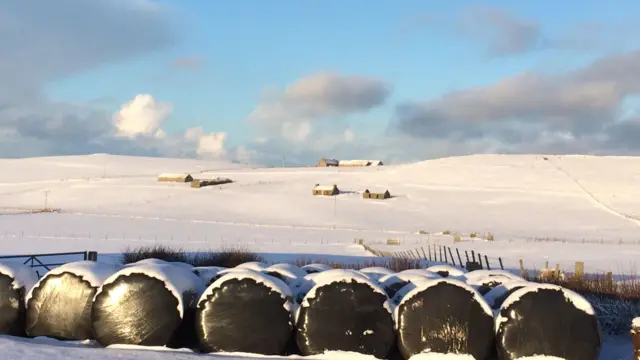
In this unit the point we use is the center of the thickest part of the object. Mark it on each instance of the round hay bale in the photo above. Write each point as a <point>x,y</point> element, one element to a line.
<point>15,282</point>
<point>345,312</point>
<point>253,265</point>
<point>147,305</point>
<point>394,282</point>
<point>315,268</point>
<point>496,296</point>
<point>375,273</point>
<point>547,320</point>
<point>477,275</point>
<point>447,271</point>
<point>223,272</point>
<point>59,305</point>
<point>446,316</point>
<point>245,312</point>
<point>309,281</point>
<point>206,273</point>
<point>484,285</point>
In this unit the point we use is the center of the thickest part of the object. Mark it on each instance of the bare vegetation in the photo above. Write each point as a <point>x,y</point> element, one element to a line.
<point>225,257</point>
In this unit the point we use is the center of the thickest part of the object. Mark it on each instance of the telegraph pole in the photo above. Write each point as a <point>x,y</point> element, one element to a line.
<point>46,199</point>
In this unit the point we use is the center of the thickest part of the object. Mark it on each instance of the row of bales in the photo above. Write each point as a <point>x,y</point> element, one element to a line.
<point>282,309</point>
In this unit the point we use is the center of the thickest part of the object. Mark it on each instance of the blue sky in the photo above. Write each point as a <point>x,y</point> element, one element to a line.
<point>423,50</point>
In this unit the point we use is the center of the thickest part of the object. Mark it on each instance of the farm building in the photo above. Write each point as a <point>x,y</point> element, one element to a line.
<point>370,195</point>
<point>182,178</point>
<point>346,163</point>
<point>327,162</point>
<point>198,183</point>
<point>325,190</point>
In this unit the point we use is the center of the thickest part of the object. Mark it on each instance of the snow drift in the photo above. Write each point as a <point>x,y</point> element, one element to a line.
<point>547,320</point>
<point>15,282</point>
<point>245,312</point>
<point>59,305</point>
<point>149,304</point>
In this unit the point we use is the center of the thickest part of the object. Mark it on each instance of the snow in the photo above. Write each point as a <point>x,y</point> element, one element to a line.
<point>437,356</point>
<point>316,267</point>
<point>160,262</point>
<point>93,272</point>
<point>400,277</point>
<point>271,282</point>
<point>479,275</point>
<point>287,270</point>
<point>576,299</point>
<point>177,280</point>
<point>453,271</point>
<point>323,187</point>
<point>502,289</point>
<point>22,275</point>
<point>173,176</point>
<point>420,287</point>
<point>559,211</point>
<point>423,272</point>
<point>253,265</point>
<point>636,322</point>
<point>206,273</point>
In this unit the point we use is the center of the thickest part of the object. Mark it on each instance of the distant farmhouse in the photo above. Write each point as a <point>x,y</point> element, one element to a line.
<point>348,163</point>
<point>328,162</point>
<point>371,195</point>
<point>181,178</point>
<point>325,190</point>
<point>198,183</point>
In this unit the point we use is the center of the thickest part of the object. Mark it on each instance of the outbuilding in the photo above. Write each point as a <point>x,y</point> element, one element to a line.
<point>371,195</point>
<point>182,178</point>
<point>327,162</point>
<point>325,190</point>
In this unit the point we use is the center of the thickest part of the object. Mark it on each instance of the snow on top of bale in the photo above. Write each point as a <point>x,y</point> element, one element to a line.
<point>377,270</point>
<point>316,267</point>
<point>22,275</point>
<point>438,356</point>
<point>253,265</point>
<point>94,273</point>
<point>160,262</point>
<point>451,270</point>
<point>571,296</point>
<point>423,272</point>
<point>502,289</point>
<point>206,273</point>
<point>389,280</point>
<point>271,282</point>
<point>177,280</point>
<point>477,275</point>
<point>339,275</point>
<point>422,286</point>
<point>287,269</point>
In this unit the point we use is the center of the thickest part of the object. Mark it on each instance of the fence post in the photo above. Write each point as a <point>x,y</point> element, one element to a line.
<point>523,272</point>
<point>635,338</point>
<point>486,259</point>
<point>579,269</point>
<point>459,258</point>
<point>446,257</point>
<point>466,254</point>
<point>473,255</point>
<point>424,253</point>
<point>440,250</point>
<point>429,248</point>
<point>501,266</point>
<point>453,261</point>
<point>92,256</point>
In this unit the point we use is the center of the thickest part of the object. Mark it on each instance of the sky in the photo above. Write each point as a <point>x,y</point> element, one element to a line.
<point>260,82</point>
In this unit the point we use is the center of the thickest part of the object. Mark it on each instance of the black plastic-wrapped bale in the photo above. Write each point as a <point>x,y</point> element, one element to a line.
<point>345,312</point>
<point>151,305</point>
<point>245,312</point>
<point>547,320</point>
<point>446,316</point>
<point>309,281</point>
<point>316,268</point>
<point>253,265</point>
<point>207,273</point>
<point>292,275</point>
<point>59,305</point>
<point>15,282</point>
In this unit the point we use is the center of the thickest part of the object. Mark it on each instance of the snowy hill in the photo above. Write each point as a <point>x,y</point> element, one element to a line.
<point>110,202</point>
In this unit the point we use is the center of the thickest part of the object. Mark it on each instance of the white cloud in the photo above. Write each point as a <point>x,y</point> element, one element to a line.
<point>141,116</point>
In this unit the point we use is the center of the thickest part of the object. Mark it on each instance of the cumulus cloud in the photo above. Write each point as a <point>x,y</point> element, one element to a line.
<point>579,110</point>
<point>141,116</point>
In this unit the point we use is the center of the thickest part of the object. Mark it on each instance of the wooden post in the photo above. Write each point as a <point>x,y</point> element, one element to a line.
<point>610,283</point>
<point>92,256</point>
<point>486,259</point>
<point>440,250</point>
<point>424,253</point>
<point>635,338</point>
<point>473,255</point>
<point>480,261</point>
<point>501,266</point>
<point>466,254</point>
<point>459,258</point>
<point>446,257</point>
<point>453,261</point>
<point>523,272</point>
<point>429,248</point>
<point>579,269</point>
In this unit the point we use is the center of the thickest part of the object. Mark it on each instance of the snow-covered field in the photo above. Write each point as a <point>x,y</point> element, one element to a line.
<point>561,210</point>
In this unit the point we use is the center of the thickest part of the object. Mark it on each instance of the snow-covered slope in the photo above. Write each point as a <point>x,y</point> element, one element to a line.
<point>515,197</point>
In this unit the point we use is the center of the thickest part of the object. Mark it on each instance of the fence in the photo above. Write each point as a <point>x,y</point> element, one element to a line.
<point>39,260</point>
<point>439,253</point>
